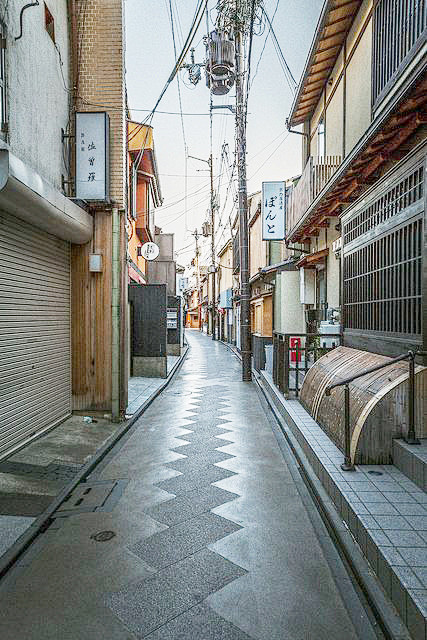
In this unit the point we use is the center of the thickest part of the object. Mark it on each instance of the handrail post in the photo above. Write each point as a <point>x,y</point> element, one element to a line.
<point>347,464</point>
<point>297,355</point>
<point>286,368</point>
<point>411,437</point>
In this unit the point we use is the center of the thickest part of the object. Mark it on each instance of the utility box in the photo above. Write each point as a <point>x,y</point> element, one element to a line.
<point>174,325</point>
<point>148,330</point>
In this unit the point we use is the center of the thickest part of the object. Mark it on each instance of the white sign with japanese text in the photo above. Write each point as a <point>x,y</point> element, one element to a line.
<point>150,250</point>
<point>273,210</point>
<point>92,157</point>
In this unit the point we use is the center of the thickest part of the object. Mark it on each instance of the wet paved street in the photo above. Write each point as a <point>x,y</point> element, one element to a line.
<point>214,534</point>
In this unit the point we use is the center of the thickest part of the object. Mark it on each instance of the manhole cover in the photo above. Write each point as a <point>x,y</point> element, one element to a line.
<point>103,536</point>
<point>376,473</point>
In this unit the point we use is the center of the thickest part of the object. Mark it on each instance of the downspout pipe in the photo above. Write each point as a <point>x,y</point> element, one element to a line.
<point>115,317</point>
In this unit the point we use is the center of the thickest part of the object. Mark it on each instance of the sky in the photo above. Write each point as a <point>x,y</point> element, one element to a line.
<point>272,153</point>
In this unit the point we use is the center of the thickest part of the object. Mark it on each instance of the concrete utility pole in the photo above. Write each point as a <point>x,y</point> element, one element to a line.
<point>245,329</point>
<point>213,267</point>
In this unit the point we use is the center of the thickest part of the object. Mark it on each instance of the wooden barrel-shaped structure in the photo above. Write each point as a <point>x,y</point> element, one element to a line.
<point>378,402</point>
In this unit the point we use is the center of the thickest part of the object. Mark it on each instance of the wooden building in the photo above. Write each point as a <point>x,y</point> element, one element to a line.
<point>358,211</point>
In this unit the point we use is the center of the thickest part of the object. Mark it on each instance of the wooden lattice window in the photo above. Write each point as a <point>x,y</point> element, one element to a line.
<point>405,193</point>
<point>383,283</point>
<point>400,28</point>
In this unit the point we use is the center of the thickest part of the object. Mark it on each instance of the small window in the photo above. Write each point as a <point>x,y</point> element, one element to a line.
<point>3,113</point>
<point>49,22</point>
<point>321,139</point>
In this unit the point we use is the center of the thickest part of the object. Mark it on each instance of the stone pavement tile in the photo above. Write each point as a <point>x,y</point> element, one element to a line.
<point>200,622</point>
<point>405,538</point>
<point>418,522</point>
<point>183,539</point>
<point>205,434</point>
<point>147,605</point>
<point>198,478</point>
<point>396,498</point>
<point>200,447</point>
<point>192,503</point>
<point>11,527</point>
<point>414,556</point>
<point>421,573</point>
<point>393,522</point>
<point>199,461</point>
<point>411,509</point>
<point>380,509</point>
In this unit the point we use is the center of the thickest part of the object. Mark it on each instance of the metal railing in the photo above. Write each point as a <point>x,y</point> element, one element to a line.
<point>411,437</point>
<point>295,353</point>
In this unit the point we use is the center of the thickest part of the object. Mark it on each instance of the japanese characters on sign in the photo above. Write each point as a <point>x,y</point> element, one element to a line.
<point>172,318</point>
<point>273,210</point>
<point>92,162</point>
<point>150,250</point>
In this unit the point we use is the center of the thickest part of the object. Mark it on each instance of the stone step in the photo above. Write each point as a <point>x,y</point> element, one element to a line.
<point>383,508</point>
<point>411,459</point>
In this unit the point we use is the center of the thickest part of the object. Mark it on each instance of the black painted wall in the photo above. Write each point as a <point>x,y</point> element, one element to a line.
<point>148,319</point>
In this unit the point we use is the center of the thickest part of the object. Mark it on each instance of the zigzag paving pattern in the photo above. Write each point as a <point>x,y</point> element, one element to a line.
<point>213,539</point>
<point>170,604</point>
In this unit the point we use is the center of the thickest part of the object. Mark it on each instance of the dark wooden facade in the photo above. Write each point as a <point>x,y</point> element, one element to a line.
<point>384,262</point>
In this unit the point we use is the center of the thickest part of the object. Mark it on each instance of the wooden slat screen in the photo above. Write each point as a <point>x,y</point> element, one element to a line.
<point>400,26</point>
<point>404,194</point>
<point>382,283</point>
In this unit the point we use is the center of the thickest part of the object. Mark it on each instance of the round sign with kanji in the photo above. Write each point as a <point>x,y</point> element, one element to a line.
<point>150,251</point>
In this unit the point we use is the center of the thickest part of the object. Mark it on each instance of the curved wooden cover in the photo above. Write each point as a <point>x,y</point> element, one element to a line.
<point>366,395</point>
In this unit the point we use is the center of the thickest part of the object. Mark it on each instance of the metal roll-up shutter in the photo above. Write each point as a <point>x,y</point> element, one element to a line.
<point>35,343</point>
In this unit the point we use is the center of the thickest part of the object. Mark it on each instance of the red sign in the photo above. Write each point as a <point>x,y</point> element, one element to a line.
<point>293,343</point>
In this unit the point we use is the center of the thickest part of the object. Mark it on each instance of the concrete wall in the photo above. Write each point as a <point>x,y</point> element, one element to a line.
<point>38,103</point>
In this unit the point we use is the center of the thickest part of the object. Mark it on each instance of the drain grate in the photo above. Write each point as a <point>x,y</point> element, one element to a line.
<point>103,536</point>
<point>101,495</point>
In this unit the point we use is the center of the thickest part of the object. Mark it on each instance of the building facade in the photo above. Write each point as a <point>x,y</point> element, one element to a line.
<point>40,227</point>
<point>361,102</point>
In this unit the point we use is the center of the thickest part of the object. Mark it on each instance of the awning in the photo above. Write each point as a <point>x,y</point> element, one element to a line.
<point>312,259</point>
<point>26,195</point>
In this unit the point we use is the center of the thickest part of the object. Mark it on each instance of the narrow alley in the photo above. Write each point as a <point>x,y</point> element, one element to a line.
<point>207,531</point>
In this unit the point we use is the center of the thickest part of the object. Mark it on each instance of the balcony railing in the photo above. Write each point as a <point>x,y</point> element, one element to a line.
<point>316,174</point>
<point>400,29</point>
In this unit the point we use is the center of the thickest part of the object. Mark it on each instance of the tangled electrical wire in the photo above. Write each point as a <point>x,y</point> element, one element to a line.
<point>238,14</point>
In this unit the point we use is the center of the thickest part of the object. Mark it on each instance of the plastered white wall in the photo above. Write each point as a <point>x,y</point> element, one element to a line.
<point>288,311</point>
<point>358,91</point>
<point>38,104</point>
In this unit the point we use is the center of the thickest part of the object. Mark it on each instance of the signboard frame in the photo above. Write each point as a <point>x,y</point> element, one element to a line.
<point>92,157</point>
<point>273,210</point>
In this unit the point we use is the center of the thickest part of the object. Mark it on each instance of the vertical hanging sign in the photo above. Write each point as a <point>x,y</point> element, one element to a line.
<point>92,156</point>
<point>273,211</point>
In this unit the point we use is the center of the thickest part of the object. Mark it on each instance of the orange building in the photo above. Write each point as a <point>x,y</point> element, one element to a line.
<point>144,197</point>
